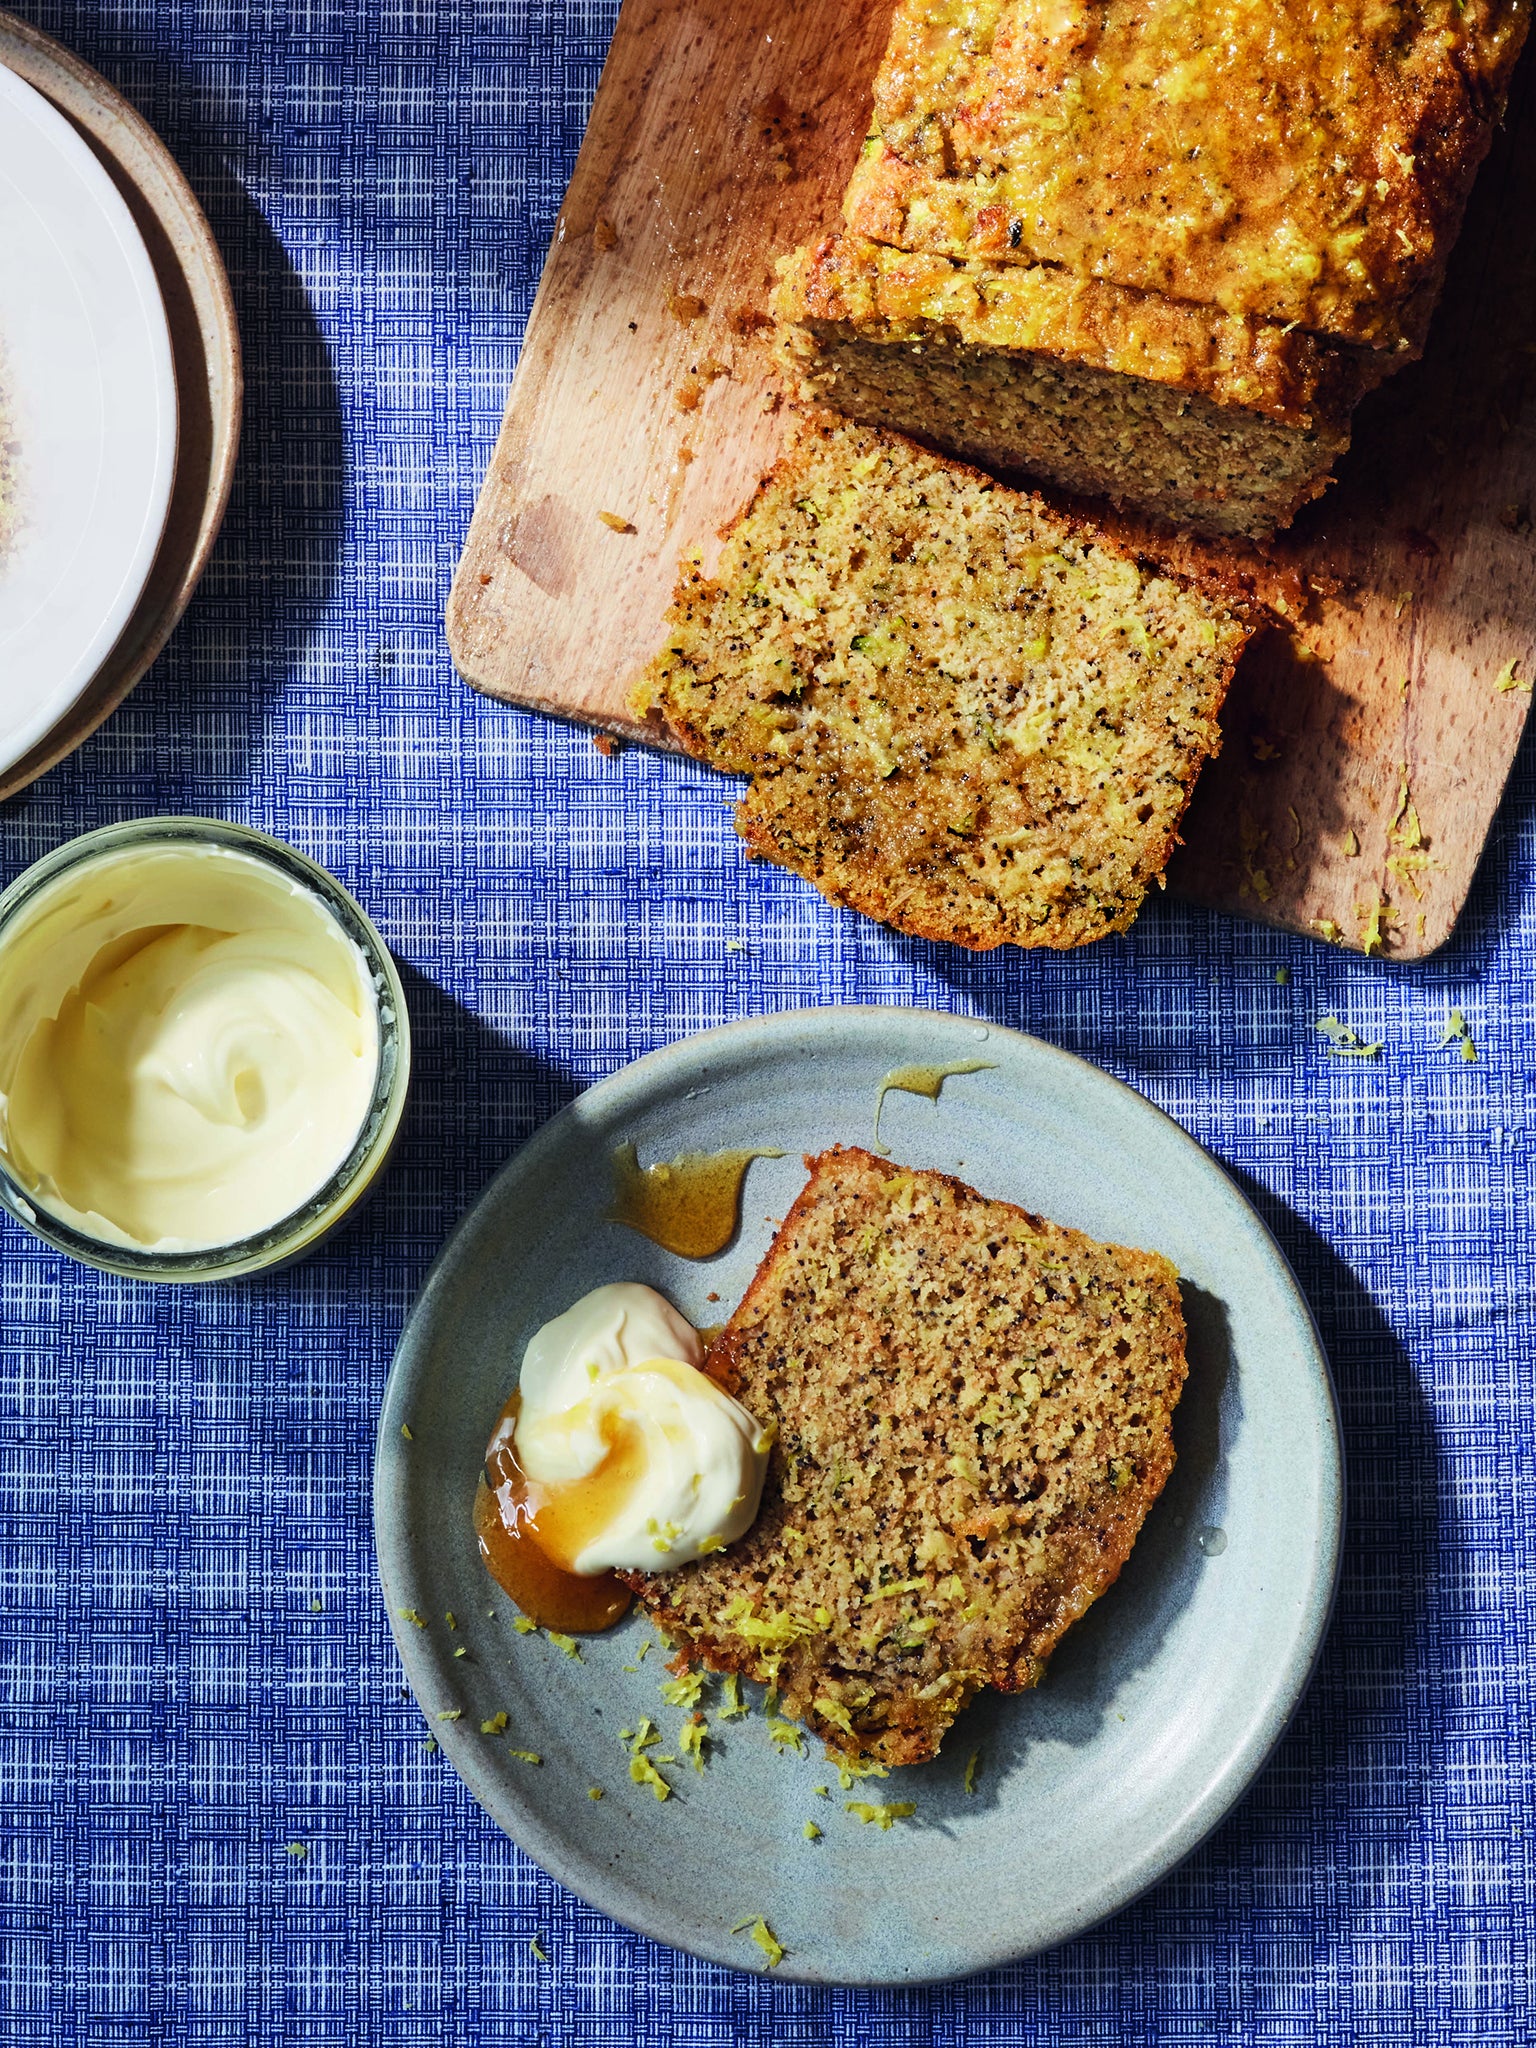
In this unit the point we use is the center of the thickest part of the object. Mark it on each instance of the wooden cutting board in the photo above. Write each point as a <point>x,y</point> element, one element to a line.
<point>1368,739</point>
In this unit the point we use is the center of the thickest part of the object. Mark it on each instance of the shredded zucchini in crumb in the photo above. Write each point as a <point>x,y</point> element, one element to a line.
<point>834,1711</point>
<point>765,1938</point>
<point>884,1814</point>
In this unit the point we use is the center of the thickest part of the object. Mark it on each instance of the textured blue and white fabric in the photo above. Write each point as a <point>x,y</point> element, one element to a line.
<point>195,1670</point>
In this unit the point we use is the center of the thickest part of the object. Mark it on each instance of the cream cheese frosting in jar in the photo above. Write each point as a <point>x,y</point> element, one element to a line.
<point>640,1462</point>
<point>195,1024</point>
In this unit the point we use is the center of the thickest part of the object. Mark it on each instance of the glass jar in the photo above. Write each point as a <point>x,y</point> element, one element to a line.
<point>41,890</point>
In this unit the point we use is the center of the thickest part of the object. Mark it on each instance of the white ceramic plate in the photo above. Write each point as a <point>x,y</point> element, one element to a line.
<point>1158,1708</point>
<point>88,397</point>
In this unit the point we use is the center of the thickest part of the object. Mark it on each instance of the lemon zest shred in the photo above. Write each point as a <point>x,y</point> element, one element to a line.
<point>765,1938</point>
<point>1345,1041</point>
<point>643,1772</point>
<point>691,1738</point>
<point>833,1711</point>
<point>883,1813</point>
<point>1456,1033</point>
<point>786,1735</point>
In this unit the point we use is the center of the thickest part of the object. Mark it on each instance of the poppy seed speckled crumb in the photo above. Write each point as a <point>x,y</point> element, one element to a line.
<point>973,1413</point>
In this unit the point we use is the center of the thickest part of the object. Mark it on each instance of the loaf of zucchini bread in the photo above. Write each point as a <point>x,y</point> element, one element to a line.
<point>1216,225</point>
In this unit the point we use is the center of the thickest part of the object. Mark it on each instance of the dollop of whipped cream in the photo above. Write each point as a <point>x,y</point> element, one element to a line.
<point>617,1419</point>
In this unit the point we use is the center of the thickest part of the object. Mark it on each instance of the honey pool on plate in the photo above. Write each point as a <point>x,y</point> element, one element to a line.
<point>507,1507</point>
<point>690,1205</point>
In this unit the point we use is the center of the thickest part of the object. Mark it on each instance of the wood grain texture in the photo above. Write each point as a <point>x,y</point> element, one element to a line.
<point>1369,719</point>
<point>717,139</point>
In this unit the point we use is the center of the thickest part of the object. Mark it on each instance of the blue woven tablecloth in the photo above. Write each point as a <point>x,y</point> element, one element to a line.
<point>195,1670</point>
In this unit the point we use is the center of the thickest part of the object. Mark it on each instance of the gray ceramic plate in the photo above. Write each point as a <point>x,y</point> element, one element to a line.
<point>1159,1706</point>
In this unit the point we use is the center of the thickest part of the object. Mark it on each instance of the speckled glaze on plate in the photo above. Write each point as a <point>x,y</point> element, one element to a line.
<point>1159,1707</point>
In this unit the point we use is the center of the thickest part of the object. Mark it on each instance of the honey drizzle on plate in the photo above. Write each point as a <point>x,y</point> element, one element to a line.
<point>689,1205</point>
<point>508,1507</point>
<point>921,1081</point>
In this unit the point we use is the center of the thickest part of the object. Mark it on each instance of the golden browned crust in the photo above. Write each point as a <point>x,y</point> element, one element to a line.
<point>890,295</point>
<point>963,712</point>
<point>1293,160</point>
<point>972,1409</point>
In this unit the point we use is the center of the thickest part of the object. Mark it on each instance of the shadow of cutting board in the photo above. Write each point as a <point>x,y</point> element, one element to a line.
<point>1368,738</point>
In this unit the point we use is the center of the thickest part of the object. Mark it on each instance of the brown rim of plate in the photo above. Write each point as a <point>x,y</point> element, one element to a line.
<point>205,348</point>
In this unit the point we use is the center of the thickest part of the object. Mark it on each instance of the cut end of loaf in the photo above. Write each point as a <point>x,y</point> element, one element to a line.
<point>1184,414</point>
